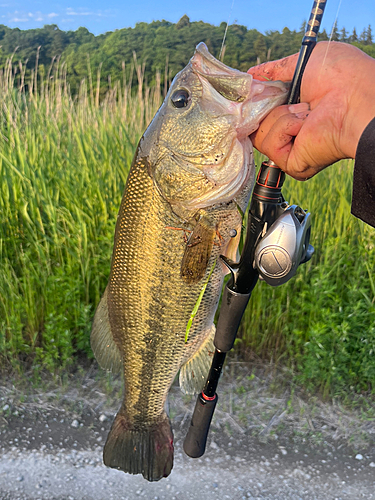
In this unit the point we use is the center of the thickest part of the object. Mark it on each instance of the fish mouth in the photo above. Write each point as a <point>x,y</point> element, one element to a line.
<point>231,83</point>
<point>252,99</point>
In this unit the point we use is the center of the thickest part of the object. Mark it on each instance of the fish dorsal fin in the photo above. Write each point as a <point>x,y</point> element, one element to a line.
<point>103,346</point>
<point>193,373</point>
<point>198,251</point>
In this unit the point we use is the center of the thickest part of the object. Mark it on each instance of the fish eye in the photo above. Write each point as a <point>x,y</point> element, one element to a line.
<point>180,98</point>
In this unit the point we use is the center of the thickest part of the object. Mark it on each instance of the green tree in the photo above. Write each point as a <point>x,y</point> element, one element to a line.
<point>260,47</point>
<point>334,33</point>
<point>184,21</point>
<point>161,46</point>
<point>353,37</point>
<point>343,35</point>
<point>323,36</point>
<point>368,36</point>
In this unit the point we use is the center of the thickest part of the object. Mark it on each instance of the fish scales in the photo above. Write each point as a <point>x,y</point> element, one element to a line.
<point>188,185</point>
<point>154,307</point>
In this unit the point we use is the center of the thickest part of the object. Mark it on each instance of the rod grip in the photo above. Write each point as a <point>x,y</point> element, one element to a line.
<point>196,438</point>
<point>233,305</point>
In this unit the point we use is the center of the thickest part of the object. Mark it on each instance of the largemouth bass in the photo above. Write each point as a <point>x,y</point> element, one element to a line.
<point>182,208</point>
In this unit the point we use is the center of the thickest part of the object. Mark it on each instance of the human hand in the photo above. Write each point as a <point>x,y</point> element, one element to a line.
<point>337,103</point>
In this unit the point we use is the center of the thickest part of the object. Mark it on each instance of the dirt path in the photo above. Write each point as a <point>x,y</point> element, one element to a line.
<point>260,446</point>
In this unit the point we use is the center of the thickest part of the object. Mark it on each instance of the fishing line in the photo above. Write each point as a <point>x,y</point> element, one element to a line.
<point>330,37</point>
<point>335,22</point>
<point>225,32</point>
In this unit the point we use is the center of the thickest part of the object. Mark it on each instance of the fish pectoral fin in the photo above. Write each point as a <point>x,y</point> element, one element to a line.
<point>103,346</point>
<point>193,374</point>
<point>198,251</point>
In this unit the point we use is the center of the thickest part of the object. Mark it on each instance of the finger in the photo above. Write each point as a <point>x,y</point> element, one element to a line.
<point>283,69</point>
<point>277,141</point>
<point>267,123</point>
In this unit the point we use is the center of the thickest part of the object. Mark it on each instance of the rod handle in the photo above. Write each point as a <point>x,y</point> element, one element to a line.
<point>196,438</point>
<point>233,306</point>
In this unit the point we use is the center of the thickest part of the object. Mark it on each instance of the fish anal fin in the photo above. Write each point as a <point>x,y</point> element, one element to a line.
<point>103,346</point>
<point>193,374</point>
<point>198,251</point>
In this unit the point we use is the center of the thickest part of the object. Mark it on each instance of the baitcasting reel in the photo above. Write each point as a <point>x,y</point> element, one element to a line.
<point>284,246</point>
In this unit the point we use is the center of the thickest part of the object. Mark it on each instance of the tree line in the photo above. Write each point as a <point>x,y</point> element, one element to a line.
<point>160,47</point>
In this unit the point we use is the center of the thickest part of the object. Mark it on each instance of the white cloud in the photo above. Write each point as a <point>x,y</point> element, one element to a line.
<point>71,12</point>
<point>82,12</point>
<point>19,16</point>
<point>23,17</point>
<point>19,20</point>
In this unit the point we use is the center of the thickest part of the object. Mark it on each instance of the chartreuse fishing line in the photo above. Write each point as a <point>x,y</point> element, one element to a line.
<point>277,242</point>
<point>197,304</point>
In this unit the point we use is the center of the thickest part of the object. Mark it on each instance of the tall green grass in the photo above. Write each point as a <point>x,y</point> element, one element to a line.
<point>63,166</point>
<point>321,324</point>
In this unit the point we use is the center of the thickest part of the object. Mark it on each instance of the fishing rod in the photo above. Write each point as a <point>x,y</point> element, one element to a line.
<point>277,242</point>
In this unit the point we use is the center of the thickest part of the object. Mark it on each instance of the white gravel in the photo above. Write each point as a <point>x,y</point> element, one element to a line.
<point>261,446</point>
<point>80,475</point>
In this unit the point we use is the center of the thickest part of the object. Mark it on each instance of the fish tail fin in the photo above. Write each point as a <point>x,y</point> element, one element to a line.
<point>144,450</point>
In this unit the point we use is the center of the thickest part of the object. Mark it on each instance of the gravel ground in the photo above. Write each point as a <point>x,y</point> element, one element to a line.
<point>261,445</point>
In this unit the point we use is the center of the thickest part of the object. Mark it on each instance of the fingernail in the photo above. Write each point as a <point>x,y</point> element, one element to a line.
<point>301,107</point>
<point>301,115</point>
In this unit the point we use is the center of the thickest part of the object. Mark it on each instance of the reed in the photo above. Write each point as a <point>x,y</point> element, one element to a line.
<point>63,166</point>
<point>321,324</point>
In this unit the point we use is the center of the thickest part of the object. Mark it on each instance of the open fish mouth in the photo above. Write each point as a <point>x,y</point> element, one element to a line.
<point>228,82</point>
<point>253,99</point>
<point>209,114</point>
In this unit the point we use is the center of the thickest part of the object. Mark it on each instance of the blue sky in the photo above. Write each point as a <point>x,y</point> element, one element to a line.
<point>99,16</point>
